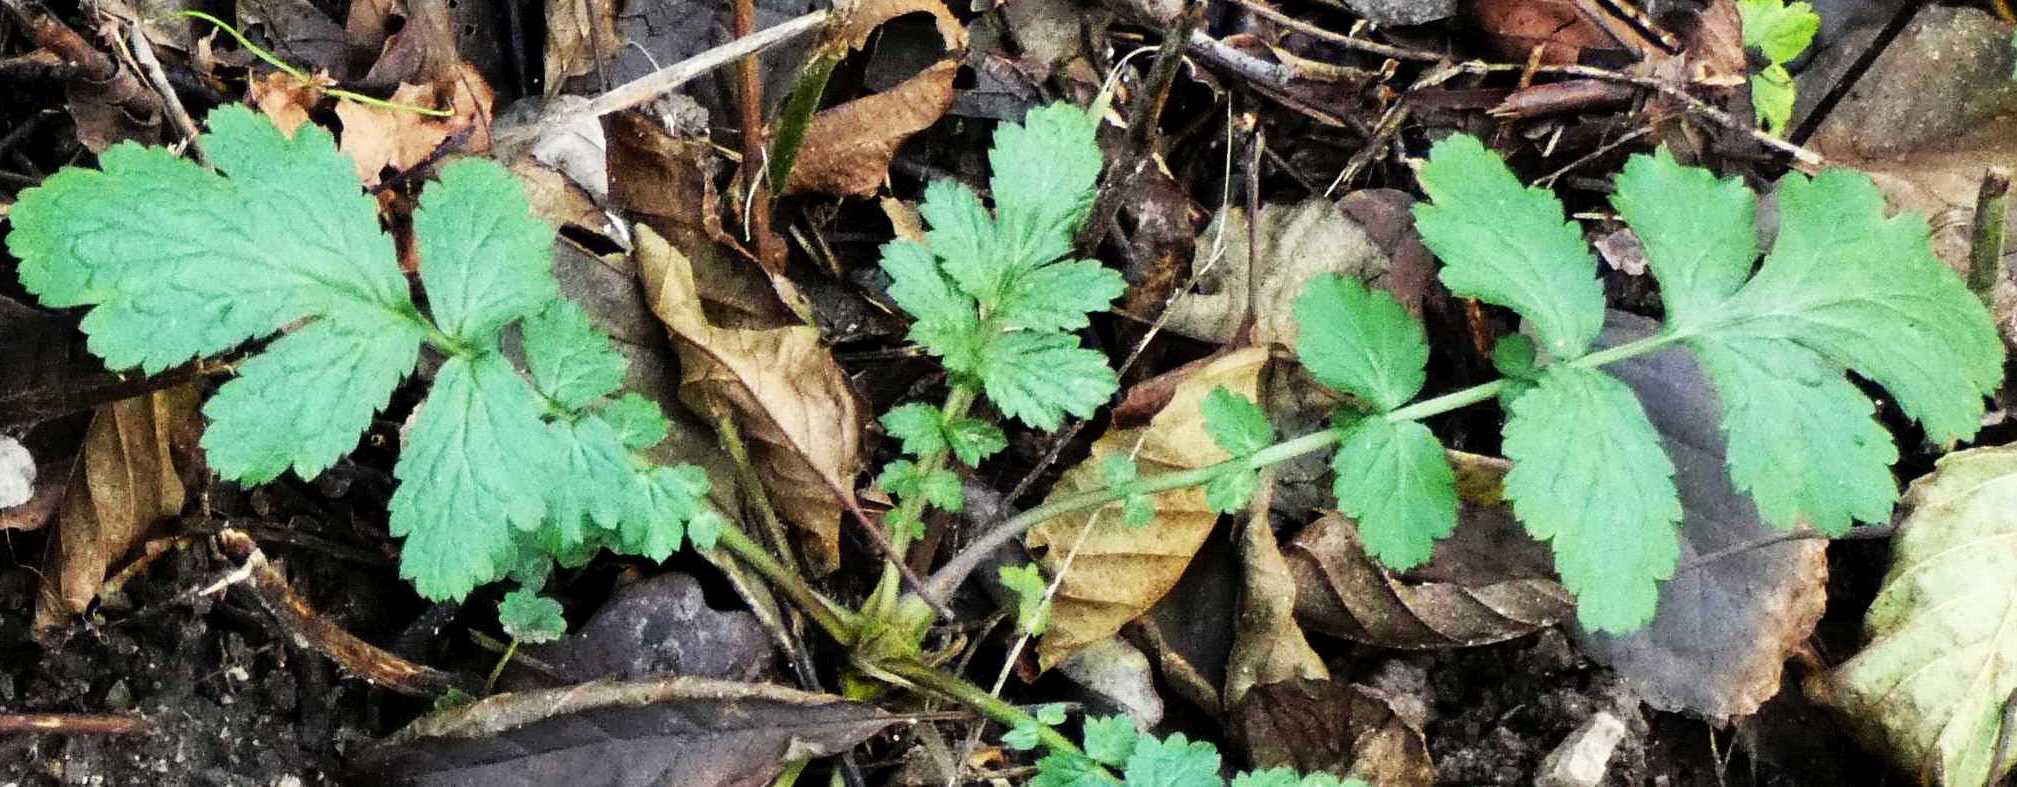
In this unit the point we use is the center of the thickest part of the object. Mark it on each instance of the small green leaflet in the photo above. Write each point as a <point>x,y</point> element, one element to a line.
<point>1504,243</point>
<point>1026,581</point>
<point>303,402</point>
<point>921,427</point>
<point>1175,761</point>
<point>1038,378</point>
<point>1393,479</point>
<point>530,617</point>
<point>940,487</point>
<point>944,320</point>
<point>1781,30</point>
<point>1064,769</point>
<point>1360,342</point>
<point>638,421</point>
<point>1772,98</point>
<point>1137,509</point>
<point>1589,476</point>
<point>1699,232</point>
<point>594,485</point>
<point>1236,423</point>
<point>571,362</point>
<point>484,258</point>
<point>1110,739</point>
<point>1044,173</point>
<point>1024,736</point>
<point>1058,297</point>
<point>973,440</point>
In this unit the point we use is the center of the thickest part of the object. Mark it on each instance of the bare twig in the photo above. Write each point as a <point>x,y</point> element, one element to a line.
<point>143,53</point>
<point>73,724</point>
<point>769,251</point>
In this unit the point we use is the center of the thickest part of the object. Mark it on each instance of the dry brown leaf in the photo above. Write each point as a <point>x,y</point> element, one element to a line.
<point>286,100</point>
<point>848,148</point>
<point>557,198</point>
<point>1299,241</point>
<point>854,22</point>
<point>1518,26</point>
<point>1343,729</point>
<point>378,138</point>
<point>791,400</point>
<point>579,34</point>
<point>1119,572</point>
<point>127,479</point>
<point>1268,644</point>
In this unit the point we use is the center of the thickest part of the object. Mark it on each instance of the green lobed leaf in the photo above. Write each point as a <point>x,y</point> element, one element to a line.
<point>592,486</point>
<point>1288,777</point>
<point>1027,583</point>
<point>1773,95</point>
<point>180,262</point>
<point>662,501</point>
<point>973,440</point>
<point>1110,739</point>
<point>1175,761</point>
<point>1044,170</point>
<point>303,402</point>
<point>1781,30</point>
<point>1699,232</point>
<point>1063,769</point>
<point>1505,243</point>
<point>571,362</point>
<point>1394,480</point>
<point>1058,296</point>
<point>485,259</point>
<point>1867,293</point>
<point>944,320</point>
<point>1235,423</point>
<point>638,421</point>
<point>1119,470</point>
<point>529,617</point>
<point>963,236</point>
<point>471,471</point>
<point>1589,476</point>
<point>1360,342</point>
<point>1038,378</point>
<point>921,427</point>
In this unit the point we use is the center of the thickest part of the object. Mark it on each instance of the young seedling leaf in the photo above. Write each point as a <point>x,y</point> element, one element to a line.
<point>921,428</point>
<point>1057,297</point>
<point>1780,30</point>
<point>1119,469</point>
<point>1392,478</point>
<point>944,319</point>
<point>639,422</point>
<point>180,262</point>
<point>963,235</point>
<point>529,617</point>
<point>1110,739</point>
<point>571,362</point>
<point>303,402</point>
<point>1700,238</point>
<point>1589,477</point>
<point>662,501</point>
<point>594,482</point>
<point>484,258</point>
<point>1064,769</point>
<point>1044,173</point>
<point>1507,244</point>
<point>1038,378</point>
<point>1027,583</point>
<point>1360,342</point>
<point>1237,424</point>
<point>973,440</point>
<point>1175,761</point>
<point>471,472</point>
<point>1230,493</point>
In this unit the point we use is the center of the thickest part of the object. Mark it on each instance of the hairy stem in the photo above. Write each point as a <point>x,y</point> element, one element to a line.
<point>911,509</point>
<point>972,696</point>
<point>835,620</point>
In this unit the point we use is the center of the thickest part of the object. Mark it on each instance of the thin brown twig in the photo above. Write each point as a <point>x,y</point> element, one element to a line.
<point>749,79</point>
<point>143,55</point>
<point>74,724</point>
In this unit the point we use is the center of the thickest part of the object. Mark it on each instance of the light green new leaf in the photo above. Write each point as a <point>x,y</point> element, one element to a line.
<point>661,503</point>
<point>921,427</point>
<point>181,262</point>
<point>472,470</point>
<point>1867,293</point>
<point>1110,739</point>
<point>485,259</point>
<point>1063,769</point>
<point>1699,232</point>
<point>303,402</point>
<point>1175,761</point>
<point>1504,243</point>
<point>594,480</point>
<point>944,320</point>
<point>1057,297</point>
<point>1589,476</point>
<point>571,362</point>
<point>973,440</point>
<point>1037,378</point>
<point>1044,173</point>
<point>1772,98</point>
<point>1360,342</point>
<point>1288,777</point>
<point>1026,581</point>
<point>962,234</point>
<point>638,421</point>
<point>1230,492</point>
<point>1235,423</point>
<point>1393,479</point>
<point>1119,470</point>
<point>1779,29</point>
<point>1804,443</point>
<point>1942,654</point>
<point>529,617</point>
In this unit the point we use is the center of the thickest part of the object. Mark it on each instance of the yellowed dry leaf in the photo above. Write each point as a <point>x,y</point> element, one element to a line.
<point>377,138</point>
<point>848,148</point>
<point>577,33</point>
<point>127,479</point>
<point>1119,572</point>
<point>784,390</point>
<point>286,100</point>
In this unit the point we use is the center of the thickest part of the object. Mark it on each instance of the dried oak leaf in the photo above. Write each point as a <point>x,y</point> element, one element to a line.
<point>1119,572</point>
<point>692,732</point>
<point>1338,728</point>
<point>781,385</point>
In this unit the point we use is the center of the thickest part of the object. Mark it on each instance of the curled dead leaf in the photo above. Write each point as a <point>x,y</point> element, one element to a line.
<point>378,138</point>
<point>1268,644</point>
<point>781,385</point>
<point>848,148</point>
<point>1118,572</point>
<point>1331,727</point>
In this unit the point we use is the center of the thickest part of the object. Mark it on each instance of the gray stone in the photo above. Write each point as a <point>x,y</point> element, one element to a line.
<point>1404,12</point>
<point>1585,756</point>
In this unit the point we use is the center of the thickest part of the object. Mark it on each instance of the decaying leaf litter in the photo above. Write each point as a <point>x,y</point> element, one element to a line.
<point>165,626</point>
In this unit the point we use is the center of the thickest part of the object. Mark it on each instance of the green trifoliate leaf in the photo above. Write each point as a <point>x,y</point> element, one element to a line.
<point>1230,493</point>
<point>594,480</point>
<point>1037,378</point>
<point>571,362</point>
<point>1589,476</point>
<point>1063,769</point>
<point>1867,293</point>
<point>973,440</point>
<point>181,262</point>
<point>1027,583</point>
<point>303,401</point>
<point>1394,480</point>
<point>921,427</point>
<point>639,422</point>
<point>962,234</point>
<point>1173,762</point>
<point>944,319</point>
<point>1779,29</point>
<point>529,617</point>
<point>1699,232</point>
<point>1120,470</point>
<point>1236,423</point>
<point>1504,243</point>
<point>1044,173</point>
<point>484,258</point>
<point>472,470</point>
<point>1772,98</point>
<point>1057,297</point>
<point>1804,443</point>
<point>1360,342</point>
<point>661,502</point>
<point>1023,736</point>
<point>1110,739</point>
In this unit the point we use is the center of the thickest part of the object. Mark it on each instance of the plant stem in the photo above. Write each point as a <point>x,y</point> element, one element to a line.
<point>745,474</point>
<point>911,509</point>
<point>490,683</point>
<point>972,696</point>
<point>837,621</point>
